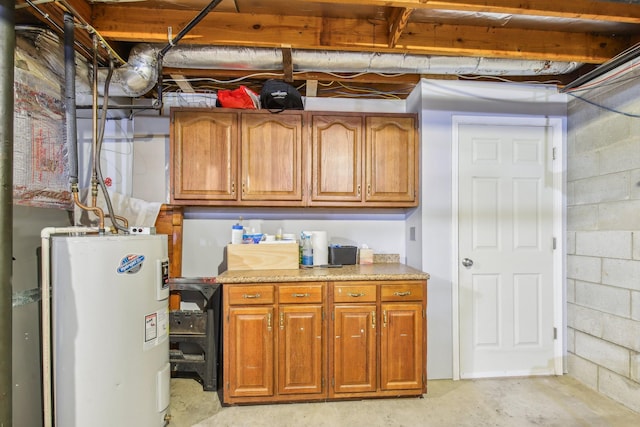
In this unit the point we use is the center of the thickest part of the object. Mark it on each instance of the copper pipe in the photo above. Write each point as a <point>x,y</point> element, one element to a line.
<point>94,208</point>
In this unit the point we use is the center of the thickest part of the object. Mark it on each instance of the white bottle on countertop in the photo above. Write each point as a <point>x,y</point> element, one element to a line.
<point>237,230</point>
<point>307,251</point>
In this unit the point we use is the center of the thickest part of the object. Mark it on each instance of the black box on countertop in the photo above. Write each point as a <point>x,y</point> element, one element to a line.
<point>342,255</point>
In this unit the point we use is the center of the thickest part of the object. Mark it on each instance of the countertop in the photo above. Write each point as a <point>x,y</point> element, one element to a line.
<point>380,271</point>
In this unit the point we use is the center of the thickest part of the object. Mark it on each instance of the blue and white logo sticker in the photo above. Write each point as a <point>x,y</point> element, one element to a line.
<point>131,264</point>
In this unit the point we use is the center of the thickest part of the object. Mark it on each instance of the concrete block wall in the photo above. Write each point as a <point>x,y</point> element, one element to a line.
<point>603,233</point>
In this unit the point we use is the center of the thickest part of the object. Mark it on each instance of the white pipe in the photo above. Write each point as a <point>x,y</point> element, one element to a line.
<point>45,263</point>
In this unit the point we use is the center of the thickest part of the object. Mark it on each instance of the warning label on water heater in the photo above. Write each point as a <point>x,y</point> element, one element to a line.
<point>156,328</point>
<point>150,327</point>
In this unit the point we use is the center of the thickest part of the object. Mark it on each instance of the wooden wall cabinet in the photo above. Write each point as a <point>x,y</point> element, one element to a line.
<point>236,157</point>
<point>224,157</point>
<point>271,157</point>
<point>274,342</point>
<point>391,159</point>
<point>378,339</point>
<point>364,160</point>
<point>204,156</point>
<point>336,164</point>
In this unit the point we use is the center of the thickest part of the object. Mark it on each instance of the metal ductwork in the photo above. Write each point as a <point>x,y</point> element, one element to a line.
<point>140,74</point>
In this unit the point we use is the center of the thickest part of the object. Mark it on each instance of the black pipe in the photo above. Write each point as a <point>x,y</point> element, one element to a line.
<point>175,41</point>
<point>7,49</point>
<point>70,96</point>
<point>189,27</point>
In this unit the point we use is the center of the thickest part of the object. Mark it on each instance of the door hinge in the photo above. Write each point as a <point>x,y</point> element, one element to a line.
<point>555,333</point>
<point>553,153</point>
<point>333,382</point>
<point>555,243</point>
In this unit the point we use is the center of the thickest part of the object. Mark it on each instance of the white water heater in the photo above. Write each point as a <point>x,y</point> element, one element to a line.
<point>110,330</point>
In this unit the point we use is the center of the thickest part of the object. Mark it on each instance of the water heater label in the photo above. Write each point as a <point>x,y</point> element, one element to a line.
<point>131,264</point>
<point>150,327</point>
<point>156,328</point>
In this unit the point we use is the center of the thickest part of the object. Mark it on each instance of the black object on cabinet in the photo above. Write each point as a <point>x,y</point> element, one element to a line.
<point>194,331</point>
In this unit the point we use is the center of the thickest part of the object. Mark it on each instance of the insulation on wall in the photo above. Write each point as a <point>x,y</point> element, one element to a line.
<point>40,160</point>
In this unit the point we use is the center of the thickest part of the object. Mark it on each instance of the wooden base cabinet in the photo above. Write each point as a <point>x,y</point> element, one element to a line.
<point>280,345</point>
<point>274,342</point>
<point>378,337</point>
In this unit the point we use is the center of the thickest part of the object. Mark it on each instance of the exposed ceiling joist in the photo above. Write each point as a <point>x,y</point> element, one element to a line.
<point>580,33</point>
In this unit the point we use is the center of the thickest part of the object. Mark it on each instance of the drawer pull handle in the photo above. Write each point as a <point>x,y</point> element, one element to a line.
<point>402,294</point>
<point>356,295</point>
<point>300,295</point>
<point>249,296</point>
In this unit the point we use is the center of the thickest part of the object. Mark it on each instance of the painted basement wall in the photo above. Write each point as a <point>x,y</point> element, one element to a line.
<point>208,230</point>
<point>603,230</point>
<point>441,101</point>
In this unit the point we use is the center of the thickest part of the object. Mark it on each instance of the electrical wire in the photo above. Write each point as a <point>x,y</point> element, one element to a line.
<point>604,107</point>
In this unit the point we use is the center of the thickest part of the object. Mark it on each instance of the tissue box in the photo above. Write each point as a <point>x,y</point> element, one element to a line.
<point>366,256</point>
<point>342,255</point>
<point>263,256</point>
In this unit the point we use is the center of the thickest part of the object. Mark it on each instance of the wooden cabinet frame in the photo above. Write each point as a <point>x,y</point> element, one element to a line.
<point>307,341</point>
<point>227,157</point>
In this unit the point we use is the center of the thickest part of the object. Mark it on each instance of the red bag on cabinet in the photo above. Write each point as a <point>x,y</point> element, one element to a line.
<point>242,97</point>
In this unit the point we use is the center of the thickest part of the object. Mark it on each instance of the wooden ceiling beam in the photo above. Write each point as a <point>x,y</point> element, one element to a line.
<point>583,9</point>
<point>139,24</point>
<point>397,23</point>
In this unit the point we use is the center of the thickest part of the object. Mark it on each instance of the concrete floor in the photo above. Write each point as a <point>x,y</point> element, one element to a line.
<point>513,402</point>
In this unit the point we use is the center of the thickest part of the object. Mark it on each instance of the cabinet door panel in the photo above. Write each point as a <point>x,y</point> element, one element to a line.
<point>401,346</point>
<point>271,157</point>
<point>391,159</point>
<point>354,348</point>
<point>204,152</point>
<point>250,356</point>
<point>300,347</point>
<point>336,173</point>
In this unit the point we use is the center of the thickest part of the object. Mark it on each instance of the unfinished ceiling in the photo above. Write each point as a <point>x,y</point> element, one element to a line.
<point>388,44</point>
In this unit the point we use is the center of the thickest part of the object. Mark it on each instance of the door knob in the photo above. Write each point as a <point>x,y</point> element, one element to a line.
<point>467,262</point>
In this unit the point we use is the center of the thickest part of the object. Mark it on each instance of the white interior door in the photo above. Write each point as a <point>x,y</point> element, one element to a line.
<point>505,250</point>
